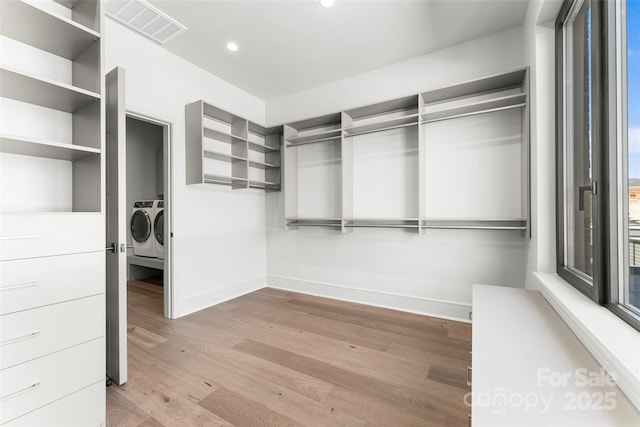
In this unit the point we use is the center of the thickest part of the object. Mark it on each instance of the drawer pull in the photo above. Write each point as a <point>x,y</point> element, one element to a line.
<point>24,390</point>
<point>469,375</point>
<point>23,337</point>
<point>23,237</point>
<point>20,285</point>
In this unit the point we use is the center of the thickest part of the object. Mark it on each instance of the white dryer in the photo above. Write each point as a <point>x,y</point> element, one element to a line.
<point>158,228</point>
<point>141,226</point>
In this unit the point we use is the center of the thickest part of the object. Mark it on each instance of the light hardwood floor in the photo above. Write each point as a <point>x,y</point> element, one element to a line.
<point>277,358</point>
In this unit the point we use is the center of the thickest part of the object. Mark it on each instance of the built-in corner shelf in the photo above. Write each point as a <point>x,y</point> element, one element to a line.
<point>225,149</point>
<point>12,144</point>
<point>262,148</point>
<point>330,184</point>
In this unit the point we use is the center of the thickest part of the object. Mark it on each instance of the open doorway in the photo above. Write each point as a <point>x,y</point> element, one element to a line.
<point>149,250</point>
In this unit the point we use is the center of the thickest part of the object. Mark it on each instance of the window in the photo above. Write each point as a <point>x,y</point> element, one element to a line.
<point>598,142</point>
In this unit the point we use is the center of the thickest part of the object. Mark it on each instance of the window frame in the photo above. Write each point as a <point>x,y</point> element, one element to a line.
<point>608,87</point>
<point>594,289</point>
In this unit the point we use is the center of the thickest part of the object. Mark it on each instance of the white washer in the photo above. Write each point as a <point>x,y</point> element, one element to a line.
<point>141,226</point>
<point>158,228</point>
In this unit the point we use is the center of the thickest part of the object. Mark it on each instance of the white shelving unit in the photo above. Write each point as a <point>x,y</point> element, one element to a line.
<point>226,149</point>
<point>52,245</point>
<point>388,165</point>
<point>313,162</point>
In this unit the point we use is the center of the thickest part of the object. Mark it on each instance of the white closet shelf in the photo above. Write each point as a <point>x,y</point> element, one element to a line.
<point>44,92</point>
<point>222,136</point>
<point>262,131</point>
<point>519,224</point>
<point>261,148</point>
<point>488,106</point>
<point>314,222</point>
<point>334,134</point>
<point>225,157</point>
<point>499,82</point>
<point>395,105</point>
<point>42,148</point>
<point>411,223</point>
<point>225,180</point>
<point>262,165</point>
<point>273,186</point>
<point>395,123</point>
<point>219,114</point>
<point>28,24</point>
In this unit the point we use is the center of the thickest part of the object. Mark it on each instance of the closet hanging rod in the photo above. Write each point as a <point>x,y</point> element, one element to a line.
<point>472,113</point>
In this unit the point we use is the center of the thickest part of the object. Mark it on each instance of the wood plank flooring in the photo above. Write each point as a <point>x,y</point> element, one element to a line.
<point>277,358</point>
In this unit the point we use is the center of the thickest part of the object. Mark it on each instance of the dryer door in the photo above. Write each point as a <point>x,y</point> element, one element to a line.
<point>158,227</point>
<point>140,226</point>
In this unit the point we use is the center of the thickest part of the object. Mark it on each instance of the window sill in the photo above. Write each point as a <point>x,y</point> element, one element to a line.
<point>614,344</point>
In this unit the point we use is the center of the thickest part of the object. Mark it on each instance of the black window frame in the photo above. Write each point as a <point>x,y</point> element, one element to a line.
<point>603,287</point>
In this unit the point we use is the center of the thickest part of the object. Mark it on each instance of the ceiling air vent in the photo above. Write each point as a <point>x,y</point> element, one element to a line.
<point>145,19</point>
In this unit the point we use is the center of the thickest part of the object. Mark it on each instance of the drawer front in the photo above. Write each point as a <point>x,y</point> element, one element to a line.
<point>34,384</point>
<point>36,282</point>
<point>81,409</point>
<point>29,334</point>
<point>28,236</point>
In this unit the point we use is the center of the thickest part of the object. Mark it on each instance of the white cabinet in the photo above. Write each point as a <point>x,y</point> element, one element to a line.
<point>36,282</point>
<point>30,334</point>
<point>52,259</point>
<point>400,163</point>
<point>76,410</point>
<point>33,235</point>
<point>34,384</point>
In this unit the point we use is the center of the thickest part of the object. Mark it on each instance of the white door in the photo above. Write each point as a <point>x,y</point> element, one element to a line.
<point>116,227</point>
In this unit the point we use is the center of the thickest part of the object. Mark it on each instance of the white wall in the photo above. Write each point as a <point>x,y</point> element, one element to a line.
<point>431,273</point>
<point>219,234</point>
<point>539,48</point>
<point>485,56</point>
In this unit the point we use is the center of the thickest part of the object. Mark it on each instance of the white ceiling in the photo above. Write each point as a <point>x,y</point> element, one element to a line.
<point>290,46</point>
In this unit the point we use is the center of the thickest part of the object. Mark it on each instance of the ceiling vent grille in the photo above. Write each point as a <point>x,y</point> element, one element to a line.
<point>145,19</point>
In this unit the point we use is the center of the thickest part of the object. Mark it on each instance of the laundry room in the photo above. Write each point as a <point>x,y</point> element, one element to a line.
<point>145,201</point>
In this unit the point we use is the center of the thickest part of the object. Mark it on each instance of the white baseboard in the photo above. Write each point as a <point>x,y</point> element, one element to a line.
<point>450,310</point>
<point>216,296</point>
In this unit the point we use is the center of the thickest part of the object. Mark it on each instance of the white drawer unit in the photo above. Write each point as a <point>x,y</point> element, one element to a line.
<point>76,410</point>
<point>32,385</point>
<point>35,282</point>
<point>30,334</point>
<point>30,236</point>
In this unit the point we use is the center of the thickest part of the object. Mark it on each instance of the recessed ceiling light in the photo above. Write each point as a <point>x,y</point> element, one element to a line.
<point>327,3</point>
<point>232,47</point>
